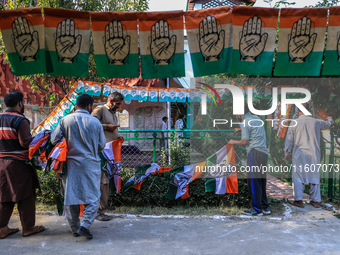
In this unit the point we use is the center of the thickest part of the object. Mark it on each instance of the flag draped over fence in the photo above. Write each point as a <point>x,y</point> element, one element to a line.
<point>23,35</point>
<point>142,173</point>
<point>254,38</point>
<point>67,35</point>
<point>301,42</point>
<point>161,36</point>
<point>111,163</point>
<point>223,165</point>
<point>209,37</point>
<point>115,41</point>
<point>181,178</point>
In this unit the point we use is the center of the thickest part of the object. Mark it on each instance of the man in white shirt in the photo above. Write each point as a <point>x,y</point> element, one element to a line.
<point>164,126</point>
<point>303,143</point>
<point>179,125</point>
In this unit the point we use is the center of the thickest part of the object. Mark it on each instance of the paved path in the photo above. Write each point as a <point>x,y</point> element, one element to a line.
<point>302,231</point>
<point>297,231</point>
<point>280,190</point>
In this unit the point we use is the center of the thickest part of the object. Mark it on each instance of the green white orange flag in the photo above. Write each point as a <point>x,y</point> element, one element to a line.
<point>67,35</point>
<point>111,163</point>
<point>222,165</point>
<point>23,35</point>
<point>301,42</point>
<point>181,178</point>
<point>142,173</point>
<point>115,41</point>
<point>254,34</point>
<point>209,37</point>
<point>331,64</point>
<point>161,36</point>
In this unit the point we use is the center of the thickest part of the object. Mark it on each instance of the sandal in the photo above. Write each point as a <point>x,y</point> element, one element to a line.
<point>11,232</point>
<point>103,217</point>
<point>315,204</point>
<point>297,203</point>
<point>38,229</point>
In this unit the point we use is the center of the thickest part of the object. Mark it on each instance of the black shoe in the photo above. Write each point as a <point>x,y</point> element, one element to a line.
<point>253,212</point>
<point>84,232</point>
<point>75,234</point>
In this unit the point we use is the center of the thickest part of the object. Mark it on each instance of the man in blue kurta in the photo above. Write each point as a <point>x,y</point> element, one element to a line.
<point>85,138</point>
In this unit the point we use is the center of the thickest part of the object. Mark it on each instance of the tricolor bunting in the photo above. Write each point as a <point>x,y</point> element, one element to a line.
<point>67,35</point>
<point>301,42</point>
<point>161,37</point>
<point>209,37</point>
<point>254,34</point>
<point>23,34</point>
<point>115,41</point>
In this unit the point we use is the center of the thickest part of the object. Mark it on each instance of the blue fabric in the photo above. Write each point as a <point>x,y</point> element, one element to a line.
<point>253,183</point>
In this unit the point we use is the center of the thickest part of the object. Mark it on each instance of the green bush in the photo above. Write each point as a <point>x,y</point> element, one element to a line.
<point>152,193</point>
<point>50,187</point>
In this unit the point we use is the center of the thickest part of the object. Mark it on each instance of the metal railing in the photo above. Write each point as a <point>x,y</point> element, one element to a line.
<point>330,180</point>
<point>144,146</point>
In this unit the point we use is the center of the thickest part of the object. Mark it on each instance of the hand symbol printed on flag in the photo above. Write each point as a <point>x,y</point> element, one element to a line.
<point>162,46</point>
<point>301,42</point>
<point>67,44</point>
<point>26,41</point>
<point>210,41</point>
<point>117,47</point>
<point>252,42</point>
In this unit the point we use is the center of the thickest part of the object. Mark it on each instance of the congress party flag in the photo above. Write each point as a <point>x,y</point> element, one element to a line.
<point>209,37</point>
<point>254,34</point>
<point>111,163</point>
<point>115,41</point>
<point>222,175</point>
<point>142,173</point>
<point>23,35</point>
<point>161,36</point>
<point>67,35</point>
<point>301,42</point>
<point>331,64</point>
<point>181,178</point>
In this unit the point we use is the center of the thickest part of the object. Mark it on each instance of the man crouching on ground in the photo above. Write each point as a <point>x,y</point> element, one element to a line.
<point>85,138</point>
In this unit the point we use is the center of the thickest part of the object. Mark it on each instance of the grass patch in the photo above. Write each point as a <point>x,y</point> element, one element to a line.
<point>275,206</point>
<point>191,211</point>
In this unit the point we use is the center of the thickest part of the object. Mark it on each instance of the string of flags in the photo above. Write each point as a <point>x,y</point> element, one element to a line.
<point>67,104</point>
<point>241,40</point>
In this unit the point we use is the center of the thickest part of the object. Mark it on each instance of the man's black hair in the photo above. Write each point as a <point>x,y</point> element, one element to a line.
<point>84,100</point>
<point>308,106</point>
<point>181,116</point>
<point>13,98</point>
<point>115,96</point>
<point>164,118</point>
<point>246,109</point>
